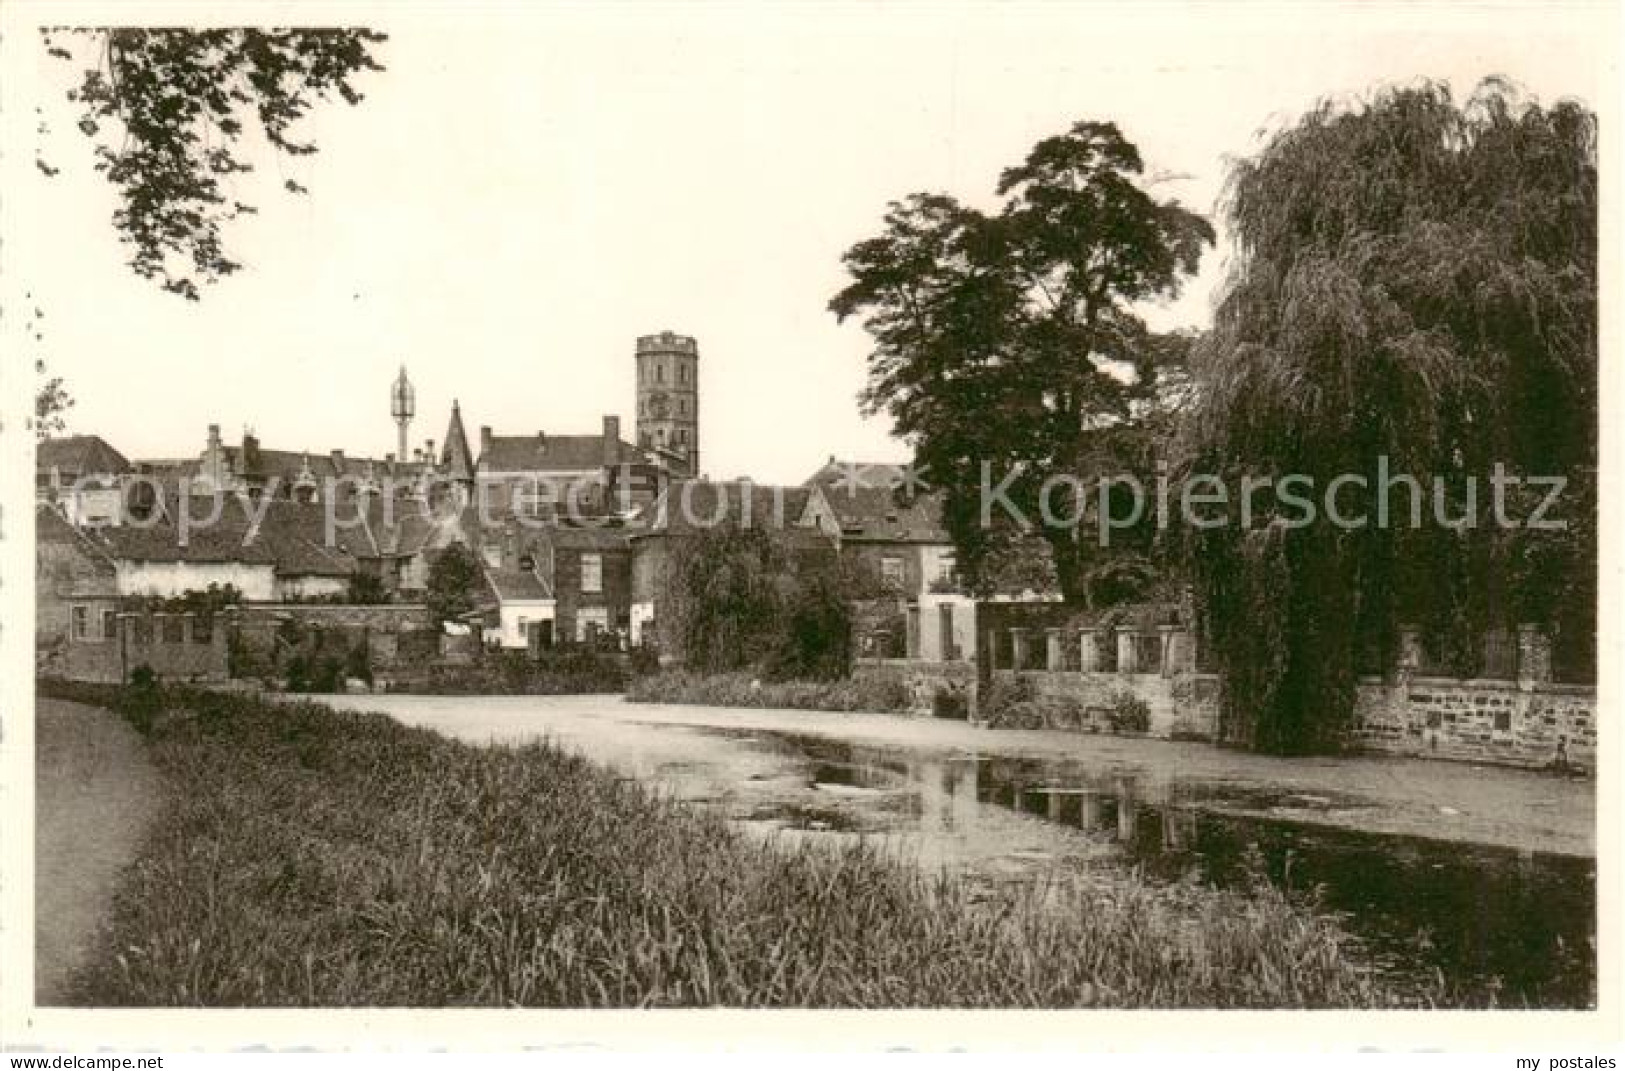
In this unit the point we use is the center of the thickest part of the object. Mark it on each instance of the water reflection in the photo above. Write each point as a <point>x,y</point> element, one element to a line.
<point>1519,923</point>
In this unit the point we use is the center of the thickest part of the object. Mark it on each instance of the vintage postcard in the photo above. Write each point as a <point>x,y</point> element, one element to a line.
<point>713,525</point>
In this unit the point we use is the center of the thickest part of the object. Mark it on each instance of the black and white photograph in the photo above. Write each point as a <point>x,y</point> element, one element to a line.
<point>873,507</point>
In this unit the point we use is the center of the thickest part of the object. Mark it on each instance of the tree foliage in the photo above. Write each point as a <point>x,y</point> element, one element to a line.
<point>1012,339</point>
<point>51,398</point>
<point>168,111</point>
<point>1415,280</point>
<point>454,578</point>
<point>741,598</point>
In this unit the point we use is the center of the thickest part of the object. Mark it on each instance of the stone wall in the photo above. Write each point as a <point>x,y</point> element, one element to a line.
<point>398,635</point>
<point>176,646</point>
<point>1503,722</point>
<point>1073,674</point>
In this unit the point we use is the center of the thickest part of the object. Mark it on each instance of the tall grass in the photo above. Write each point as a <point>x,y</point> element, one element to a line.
<point>313,857</point>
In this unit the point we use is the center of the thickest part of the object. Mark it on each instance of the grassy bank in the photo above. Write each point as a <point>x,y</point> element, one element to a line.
<point>749,690</point>
<point>314,857</point>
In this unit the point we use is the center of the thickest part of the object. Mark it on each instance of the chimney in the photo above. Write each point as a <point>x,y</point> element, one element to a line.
<point>485,440</point>
<point>338,462</point>
<point>612,440</point>
<point>214,435</point>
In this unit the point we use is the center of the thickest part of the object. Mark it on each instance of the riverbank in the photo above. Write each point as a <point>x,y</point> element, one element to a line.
<point>339,858</point>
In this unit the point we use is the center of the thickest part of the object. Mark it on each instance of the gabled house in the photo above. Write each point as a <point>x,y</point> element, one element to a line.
<point>83,477</point>
<point>268,551</point>
<point>76,601</point>
<point>565,477</point>
<point>898,545</point>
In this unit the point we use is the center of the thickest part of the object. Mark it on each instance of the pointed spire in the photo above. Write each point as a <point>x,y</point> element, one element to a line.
<point>455,457</point>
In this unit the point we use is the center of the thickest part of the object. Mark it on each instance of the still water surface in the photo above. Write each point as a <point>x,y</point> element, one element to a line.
<point>1518,924</point>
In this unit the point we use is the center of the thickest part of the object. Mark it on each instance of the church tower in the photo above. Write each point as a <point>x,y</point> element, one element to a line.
<point>669,398</point>
<point>402,406</point>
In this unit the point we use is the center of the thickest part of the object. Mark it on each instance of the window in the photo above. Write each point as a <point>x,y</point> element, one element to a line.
<point>592,573</point>
<point>81,623</point>
<point>109,624</point>
<point>660,373</point>
<point>682,373</point>
<point>891,571</point>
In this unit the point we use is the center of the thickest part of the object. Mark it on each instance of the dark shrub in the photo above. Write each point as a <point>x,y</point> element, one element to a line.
<point>1129,713</point>
<point>950,703</point>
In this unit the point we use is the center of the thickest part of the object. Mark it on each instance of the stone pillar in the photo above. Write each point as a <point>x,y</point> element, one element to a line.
<point>1167,634</point>
<point>1126,660</point>
<point>1534,655</point>
<point>1179,655</point>
<point>1054,652</point>
<point>1088,650</point>
<point>1127,816</point>
<point>1089,811</point>
<point>1019,658</point>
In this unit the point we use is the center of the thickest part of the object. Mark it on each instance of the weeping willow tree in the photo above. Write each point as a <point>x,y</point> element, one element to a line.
<point>1415,280</point>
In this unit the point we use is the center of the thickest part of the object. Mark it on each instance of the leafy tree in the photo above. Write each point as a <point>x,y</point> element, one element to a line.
<point>168,111</point>
<point>1416,281</point>
<point>51,398</point>
<point>454,578</point>
<point>1011,339</point>
<point>51,404</point>
<point>741,598</point>
<point>724,591</point>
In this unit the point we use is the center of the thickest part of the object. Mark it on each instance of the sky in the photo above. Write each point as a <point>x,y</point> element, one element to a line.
<point>525,190</point>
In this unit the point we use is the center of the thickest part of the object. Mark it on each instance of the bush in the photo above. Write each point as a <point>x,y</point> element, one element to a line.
<point>875,695</point>
<point>558,672</point>
<point>1129,713</point>
<point>143,700</point>
<point>950,703</point>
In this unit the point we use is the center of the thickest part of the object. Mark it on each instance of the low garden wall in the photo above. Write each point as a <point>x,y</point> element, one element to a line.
<point>1139,677</point>
<point>1504,722</point>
